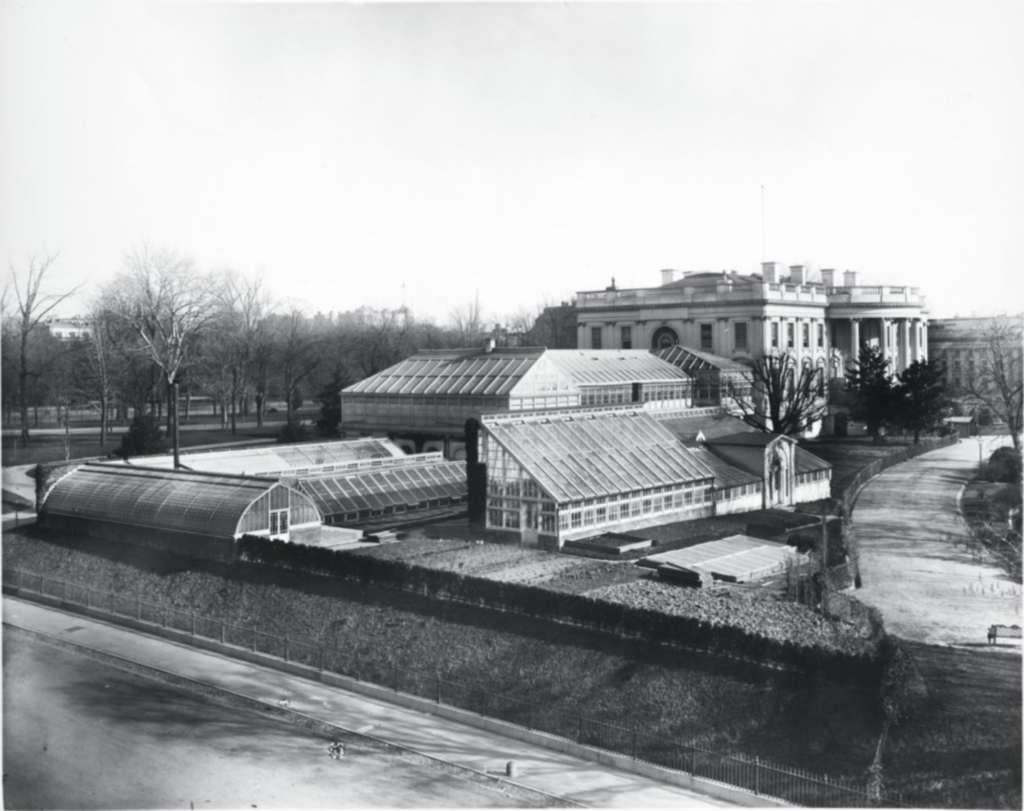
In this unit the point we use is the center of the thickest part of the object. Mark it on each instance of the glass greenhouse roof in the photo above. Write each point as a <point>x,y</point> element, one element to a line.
<point>588,454</point>
<point>278,459</point>
<point>688,427</point>
<point>202,503</point>
<point>693,361</point>
<point>459,372</point>
<point>594,367</point>
<point>499,372</point>
<point>390,487</point>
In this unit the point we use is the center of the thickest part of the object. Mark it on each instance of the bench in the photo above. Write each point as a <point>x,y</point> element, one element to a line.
<point>1004,631</point>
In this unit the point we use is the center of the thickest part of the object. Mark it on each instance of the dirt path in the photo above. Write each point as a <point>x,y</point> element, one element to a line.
<point>928,587</point>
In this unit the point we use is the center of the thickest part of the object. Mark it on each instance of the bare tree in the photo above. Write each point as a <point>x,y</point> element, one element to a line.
<point>243,306</point>
<point>466,323</point>
<point>31,306</point>
<point>781,399</point>
<point>996,379</point>
<point>297,355</point>
<point>168,303</point>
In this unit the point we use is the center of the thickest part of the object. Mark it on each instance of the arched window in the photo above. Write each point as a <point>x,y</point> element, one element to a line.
<point>664,337</point>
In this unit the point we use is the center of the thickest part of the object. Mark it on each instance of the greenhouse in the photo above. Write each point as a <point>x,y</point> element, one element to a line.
<point>278,461</point>
<point>176,510</point>
<point>557,477</point>
<point>716,380</point>
<point>361,497</point>
<point>424,401</point>
<point>791,474</point>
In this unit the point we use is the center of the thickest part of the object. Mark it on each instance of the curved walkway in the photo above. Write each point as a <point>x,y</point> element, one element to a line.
<point>914,566</point>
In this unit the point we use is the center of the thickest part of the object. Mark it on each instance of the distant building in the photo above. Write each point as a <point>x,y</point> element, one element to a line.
<point>962,347</point>
<point>367,316</point>
<point>821,321</point>
<point>555,327</point>
<point>70,329</point>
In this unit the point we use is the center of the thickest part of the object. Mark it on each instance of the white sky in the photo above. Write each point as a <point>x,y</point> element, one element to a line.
<point>524,151</point>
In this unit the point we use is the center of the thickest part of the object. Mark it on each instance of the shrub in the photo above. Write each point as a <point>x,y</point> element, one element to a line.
<point>1004,465</point>
<point>292,432</point>
<point>143,437</point>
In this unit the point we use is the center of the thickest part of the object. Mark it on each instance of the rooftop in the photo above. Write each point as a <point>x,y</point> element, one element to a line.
<point>589,454</point>
<point>275,459</point>
<point>202,503</point>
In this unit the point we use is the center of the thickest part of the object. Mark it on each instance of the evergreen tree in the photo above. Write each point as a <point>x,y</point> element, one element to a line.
<point>870,390</point>
<point>142,438</point>
<point>921,398</point>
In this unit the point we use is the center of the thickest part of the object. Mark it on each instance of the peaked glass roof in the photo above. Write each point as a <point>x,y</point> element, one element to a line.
<point>459,371</point>
<point>590,367</point>
<point>389,487</point>
<point>693,360</point>
<point>591,454</point>
<point>203,503</point>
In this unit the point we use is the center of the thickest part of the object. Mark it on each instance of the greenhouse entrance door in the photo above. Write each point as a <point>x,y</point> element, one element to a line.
<point>279,524</point>
<point>530,518</point>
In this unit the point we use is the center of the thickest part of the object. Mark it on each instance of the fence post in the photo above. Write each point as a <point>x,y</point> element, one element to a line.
<point>138,609</point>
<point>286,647</point>
<point>222,632</point>
<point>438,689</point>
<point>321,658</point>
<point>634,743</point>
<point>757,775</point>
<point>254,632</point>
<point>193,623</point>
<point>65,597</point>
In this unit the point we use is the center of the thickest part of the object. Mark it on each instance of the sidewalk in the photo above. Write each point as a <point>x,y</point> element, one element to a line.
<point>537,768</point>
<point>929,588</point>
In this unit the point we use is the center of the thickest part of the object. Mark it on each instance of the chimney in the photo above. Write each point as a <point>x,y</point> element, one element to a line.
<point>796,274</point>
<point>668,276</point>
<point>849,278</point>
<point>828,277</point>
<point>768,271</point>
<point>489,345</point>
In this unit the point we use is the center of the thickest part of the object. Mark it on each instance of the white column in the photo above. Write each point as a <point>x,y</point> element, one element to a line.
<point>906,359</point>
<point>884,341</point>
<point>855,339</point>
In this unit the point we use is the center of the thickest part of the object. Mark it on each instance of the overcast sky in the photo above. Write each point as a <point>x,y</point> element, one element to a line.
<point>385,153</point>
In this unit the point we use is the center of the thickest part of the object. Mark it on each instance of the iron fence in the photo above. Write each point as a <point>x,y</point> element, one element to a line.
<point>762,777</point>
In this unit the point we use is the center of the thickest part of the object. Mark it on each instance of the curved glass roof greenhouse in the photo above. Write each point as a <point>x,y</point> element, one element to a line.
<point>200,503</point>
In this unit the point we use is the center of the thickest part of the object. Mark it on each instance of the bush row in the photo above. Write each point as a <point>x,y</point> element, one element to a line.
<point>581,610</point>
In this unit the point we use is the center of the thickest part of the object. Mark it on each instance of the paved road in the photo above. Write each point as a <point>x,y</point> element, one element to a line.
<point>537,768</point>
<point>914,566</point>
